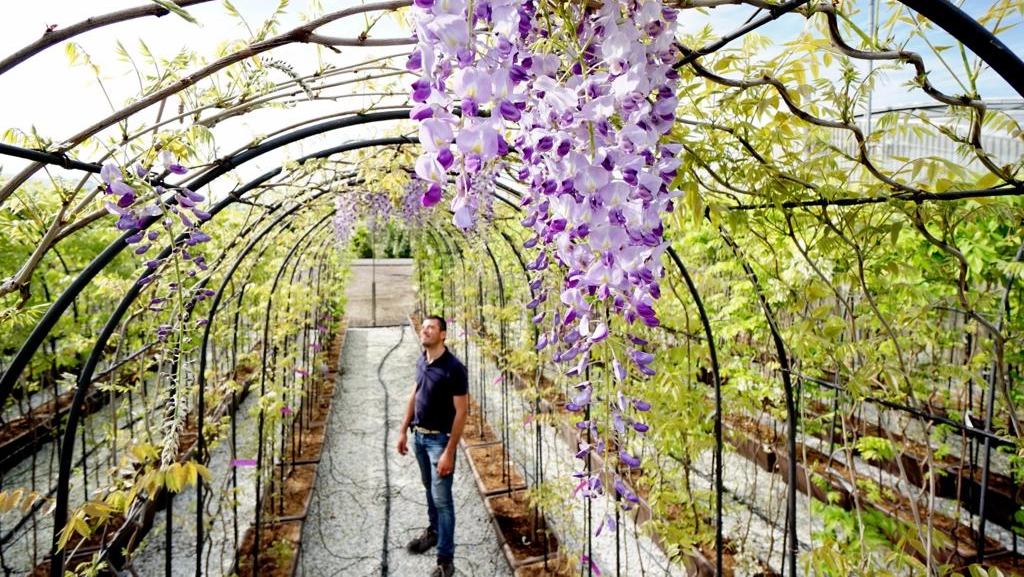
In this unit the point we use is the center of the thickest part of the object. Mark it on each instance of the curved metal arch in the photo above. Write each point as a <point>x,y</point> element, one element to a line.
<point>522,267</point>
<point>785,370</point>
<point>715,374</point>
<point>81,390</point>
<point>441,245</point>
<point>61,304</point>
<point>455,249</point>
<point>944,13</point>
<point>973,35</point>
<point>235,322</point>
<point>993,375</point>
<point>61,160</point>
<point>203,348</point>
<point>263,380</point>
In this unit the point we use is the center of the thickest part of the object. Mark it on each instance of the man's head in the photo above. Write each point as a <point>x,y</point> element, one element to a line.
<point>433,331</point>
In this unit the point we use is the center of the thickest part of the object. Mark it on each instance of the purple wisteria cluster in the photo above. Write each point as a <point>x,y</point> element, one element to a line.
<point>578,102</point>
<point>466,98</point>
<point>344,218</point>
<point>134,200</point>
<point>373,208</point>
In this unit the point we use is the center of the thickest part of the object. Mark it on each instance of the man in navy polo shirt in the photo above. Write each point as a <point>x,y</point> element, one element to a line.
<point>436,413</point>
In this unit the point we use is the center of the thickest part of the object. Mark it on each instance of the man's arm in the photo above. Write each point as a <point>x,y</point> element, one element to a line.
<point>446,464</point>
<point>410,410</point>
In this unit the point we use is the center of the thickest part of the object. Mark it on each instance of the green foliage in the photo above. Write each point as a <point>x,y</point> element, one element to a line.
<point>392,242</point>
<point>874,287</point>
<point>874,448</point>
<point>362,247</point>
<point>857,542</point>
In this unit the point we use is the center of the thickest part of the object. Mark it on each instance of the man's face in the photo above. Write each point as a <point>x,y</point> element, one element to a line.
<point>431,333</point>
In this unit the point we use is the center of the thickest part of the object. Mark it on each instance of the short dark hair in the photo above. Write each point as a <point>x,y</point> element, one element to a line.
<point>441,324</point>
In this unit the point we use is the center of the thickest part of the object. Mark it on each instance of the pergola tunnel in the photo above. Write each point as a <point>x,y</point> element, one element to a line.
<point>736,284</point>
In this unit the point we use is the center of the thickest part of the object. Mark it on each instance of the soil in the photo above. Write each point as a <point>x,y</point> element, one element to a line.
<point>496,472</point>
<point>308,445</point>
<point>556,567</point>
<point>293,499</point>
<point>279,545</point>
<point>728,557</point>
<point>959,551</point>
<point>523,528</point>
<point>478,431</point>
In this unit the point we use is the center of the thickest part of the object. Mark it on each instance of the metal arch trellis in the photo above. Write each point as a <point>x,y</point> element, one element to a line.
<point>942,12</point>
<point>266,347</point>
<point>538,434</point>
<point>60,305</point>
<point>11,375</point>
<point>85,378</point>
<point>304,203</point>
<point>1004,309</point>
<point>973,35</point>
<point>446,296</point>
<point>503,355</point>
<point>709,336</point>
<point>454,243</point>
<point>203,348</point>
<point>236,399</point>
<point>304,33</point>
<point>792,415</point>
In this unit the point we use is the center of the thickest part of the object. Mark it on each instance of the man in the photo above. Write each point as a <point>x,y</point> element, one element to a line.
<point>436,413</point>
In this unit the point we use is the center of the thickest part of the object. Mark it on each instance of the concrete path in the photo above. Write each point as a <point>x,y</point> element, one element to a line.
<point>380,292</point>
<point>367,495</point>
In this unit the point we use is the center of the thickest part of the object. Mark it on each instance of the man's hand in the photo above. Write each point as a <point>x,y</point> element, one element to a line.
<point>402,441</point>
<point>446,464</point>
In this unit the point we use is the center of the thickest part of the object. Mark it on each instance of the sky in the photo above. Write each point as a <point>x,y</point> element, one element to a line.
<point>725,19</point>
<point>59,101</point>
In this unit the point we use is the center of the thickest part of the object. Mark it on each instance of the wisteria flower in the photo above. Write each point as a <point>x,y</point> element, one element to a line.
<point>171,163</point>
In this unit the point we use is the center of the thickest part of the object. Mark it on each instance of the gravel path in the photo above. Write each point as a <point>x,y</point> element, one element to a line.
<point>366,494</point>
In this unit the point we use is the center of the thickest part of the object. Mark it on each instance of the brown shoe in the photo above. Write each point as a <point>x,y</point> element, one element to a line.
<point>443,569</point>
<point>423,543</point>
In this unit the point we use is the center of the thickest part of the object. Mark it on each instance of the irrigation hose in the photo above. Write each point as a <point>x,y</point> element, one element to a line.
<point>387,445</point>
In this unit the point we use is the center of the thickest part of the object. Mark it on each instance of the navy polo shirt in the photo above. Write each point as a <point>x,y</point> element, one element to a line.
<point>436,384</point>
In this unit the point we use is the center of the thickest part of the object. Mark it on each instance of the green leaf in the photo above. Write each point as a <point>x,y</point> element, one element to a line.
<point>174,8</point>
<point>694,202</point>
<point>989,180</point>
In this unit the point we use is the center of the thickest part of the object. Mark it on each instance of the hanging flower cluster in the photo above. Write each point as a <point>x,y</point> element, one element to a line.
<point>467,79</point>
<point>411,210</point>
<point>177,211</point>
<point>377,209</point>
<point>373,208</point>
<point>174,213</point>
<point>585,97</point>
<point>344,218</point>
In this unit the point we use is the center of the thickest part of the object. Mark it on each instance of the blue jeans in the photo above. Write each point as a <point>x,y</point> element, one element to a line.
<point>440,507</point>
